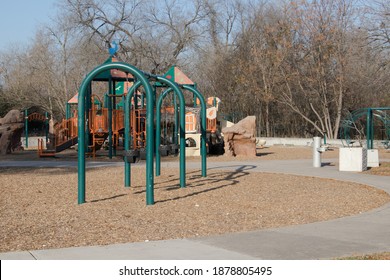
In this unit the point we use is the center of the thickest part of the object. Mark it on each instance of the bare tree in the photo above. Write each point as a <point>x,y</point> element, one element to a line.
<point>152,34</point>
<point>314,78</point>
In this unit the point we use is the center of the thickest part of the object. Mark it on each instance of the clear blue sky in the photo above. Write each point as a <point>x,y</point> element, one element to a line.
<point>19,19</point>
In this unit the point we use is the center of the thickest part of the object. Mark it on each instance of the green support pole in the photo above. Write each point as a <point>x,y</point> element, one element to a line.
<point>369,127</point>
<point>106,97</point>
<point>149,127</point>
<point>46,126</point>
<point>175,130</point>
<point>135,100</point>
<point>142,100</point>
<point>115,112</point>
<point>182,112</point>
<point>203,149</point>
<point>127,138</point>
<point>110,118</point>
<point>158,129</point>
<point>26,126</point>
<point>194,99</point>
<point>88,102</point>
<point>372,130</point>
<point>67,113</point>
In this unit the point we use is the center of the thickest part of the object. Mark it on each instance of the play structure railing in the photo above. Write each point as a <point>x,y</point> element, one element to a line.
<point>65,134</point>
<point>99,120</point>
<point>65,130</point>
<point>138,127</point>
<point>41,149</point>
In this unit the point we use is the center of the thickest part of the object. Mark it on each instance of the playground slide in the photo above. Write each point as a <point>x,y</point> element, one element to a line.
<point>66,145</point>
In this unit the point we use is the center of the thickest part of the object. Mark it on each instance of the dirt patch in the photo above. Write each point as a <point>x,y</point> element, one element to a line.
<point>38,207</point>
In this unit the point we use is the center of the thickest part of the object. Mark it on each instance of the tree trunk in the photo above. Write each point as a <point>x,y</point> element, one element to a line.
<point>267,124</point>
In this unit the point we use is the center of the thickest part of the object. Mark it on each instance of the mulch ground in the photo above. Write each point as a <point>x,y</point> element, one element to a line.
<point>39,210</point>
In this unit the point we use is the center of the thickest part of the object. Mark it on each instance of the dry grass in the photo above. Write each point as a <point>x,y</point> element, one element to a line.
<point>38,207</point>
<point>376,256</point>
<point>382,170</point>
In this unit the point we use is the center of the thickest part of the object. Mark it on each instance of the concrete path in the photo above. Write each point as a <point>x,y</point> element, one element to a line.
<point>364,233</point>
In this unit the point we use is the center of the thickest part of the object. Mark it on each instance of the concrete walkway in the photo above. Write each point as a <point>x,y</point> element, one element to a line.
<point>364,233</point>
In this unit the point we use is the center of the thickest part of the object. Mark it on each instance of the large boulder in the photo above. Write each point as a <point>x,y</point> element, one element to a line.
<point>11,128</point>
<point>240,139</point>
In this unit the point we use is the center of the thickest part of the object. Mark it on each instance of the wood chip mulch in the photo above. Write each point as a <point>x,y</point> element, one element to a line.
<point>39,210</point>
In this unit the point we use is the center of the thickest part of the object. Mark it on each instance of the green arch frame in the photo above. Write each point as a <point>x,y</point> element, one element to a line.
<point>369,114</point>
<point>203,124</point>
<point>178,93</point>
<point>149,126</point>
<point>127,111</point>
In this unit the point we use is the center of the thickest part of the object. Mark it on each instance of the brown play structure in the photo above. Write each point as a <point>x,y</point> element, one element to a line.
<point>63,135</point>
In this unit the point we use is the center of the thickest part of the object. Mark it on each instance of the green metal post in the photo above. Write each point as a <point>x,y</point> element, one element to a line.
<point>372,130</point>
<point>194,98</point>
<point>89,106</point>
<point>67,113</point>
<point>110,83</point>
<point>175,130</point>
<point>127,111</point>
<point>135,100</point>
<point>115,112</point>
<point>142,100</point>
<point>26,126</point>
<point>369,128</point>
<point>158,129</point>
<point>106,97</point>
<point>149,127</point>
<point>180,95</point>
<point>203,150</point>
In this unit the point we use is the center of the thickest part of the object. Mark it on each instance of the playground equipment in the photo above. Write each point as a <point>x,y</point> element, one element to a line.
<point>60,137</point>
<point>360,124</point>
<point>106,73</point>
<point>136,124</point>
<point>106,119</point>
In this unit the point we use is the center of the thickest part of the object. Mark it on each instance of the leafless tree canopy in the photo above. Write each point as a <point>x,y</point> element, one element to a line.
<point>299,66</point>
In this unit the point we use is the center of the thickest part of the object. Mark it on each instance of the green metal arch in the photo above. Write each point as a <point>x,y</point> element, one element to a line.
<point>130,94</point>
<point>158,129</point>
<point>149,126</point>
<point>369,113</point>
<point>180,95</point>
<point>203,124</point>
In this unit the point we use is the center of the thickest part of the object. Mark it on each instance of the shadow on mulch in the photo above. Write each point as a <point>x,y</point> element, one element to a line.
<point>223,178</point>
